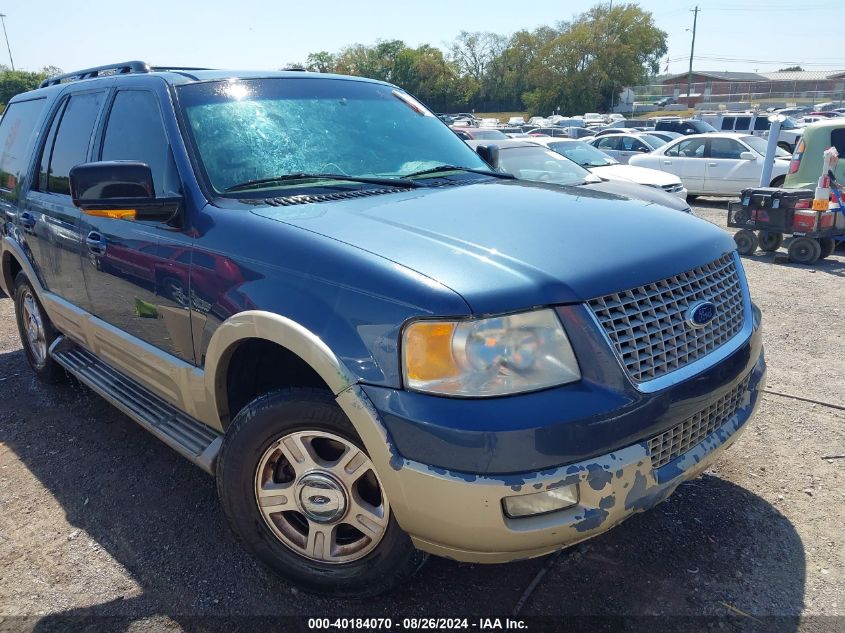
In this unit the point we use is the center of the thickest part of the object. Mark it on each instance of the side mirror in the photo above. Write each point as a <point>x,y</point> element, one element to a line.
<point>748,156</point>
<point>490,154</point>
<point>120,190</point>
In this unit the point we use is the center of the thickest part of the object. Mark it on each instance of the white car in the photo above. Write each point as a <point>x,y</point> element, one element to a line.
<point>516,120</point>
<point>608,168</point>
<point>490,122</point>
<point>624,145</point>
<point>717,163</point>
<point>593,118</point>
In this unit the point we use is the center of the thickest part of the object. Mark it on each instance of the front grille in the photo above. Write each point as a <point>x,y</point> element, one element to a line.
<point>689,433</point>
<point>673,188</point>
<point>648,325</point>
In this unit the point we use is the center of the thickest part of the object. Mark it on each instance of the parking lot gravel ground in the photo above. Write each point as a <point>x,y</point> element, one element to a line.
<point>97,518</point>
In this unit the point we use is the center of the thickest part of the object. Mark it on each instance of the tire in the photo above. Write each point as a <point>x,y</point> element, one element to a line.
<point>37,332</point>
<point>253,453</point>
<point>804,250</point>
<point>174,289</point>
<point>770,241</point>
<point>785,147</point>
<point>746,242</point>
<point>778,182</point>
<point>828,245</point>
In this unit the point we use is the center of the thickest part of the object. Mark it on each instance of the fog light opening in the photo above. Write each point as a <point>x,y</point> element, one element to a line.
<point>521,506</point>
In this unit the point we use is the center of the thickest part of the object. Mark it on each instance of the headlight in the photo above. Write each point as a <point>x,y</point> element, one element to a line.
<point>488,357</point>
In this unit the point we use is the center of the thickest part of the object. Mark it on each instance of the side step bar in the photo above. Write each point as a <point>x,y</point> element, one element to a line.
<point>188,436</point>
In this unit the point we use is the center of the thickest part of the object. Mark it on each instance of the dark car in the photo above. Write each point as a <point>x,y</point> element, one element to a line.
<point>683,126</point>
<point>397,349</point>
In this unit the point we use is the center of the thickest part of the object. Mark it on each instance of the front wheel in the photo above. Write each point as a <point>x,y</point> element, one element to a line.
<point>778,182</point>
<point>302,494</point>
<point>746,242</point>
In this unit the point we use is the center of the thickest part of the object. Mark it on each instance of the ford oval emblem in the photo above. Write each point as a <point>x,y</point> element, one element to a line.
<point>701,313</point>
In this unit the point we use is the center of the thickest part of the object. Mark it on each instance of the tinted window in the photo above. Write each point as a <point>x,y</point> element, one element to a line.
<point>728,122</point>
<point>761,123</point>
<point>837,138</point>
<point>743,123</point>
<point>71,145</point>
<point>135,131</point>
<point>607,142</point>
<point>40,183</point>
<point>693,148</point>
<point>16,131</point>
<point>725,148</point>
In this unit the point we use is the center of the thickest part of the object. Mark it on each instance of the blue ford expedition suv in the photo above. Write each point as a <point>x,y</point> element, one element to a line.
<point>310,287</point>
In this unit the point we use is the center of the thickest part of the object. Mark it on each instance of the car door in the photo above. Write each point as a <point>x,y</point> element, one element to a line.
<point>686,159</point>
<point>133,277</point>
<point>726,172</point>
<point>609,145</point>
<point>18,130</point>
<point>48,206</point>
<point>629,147</point>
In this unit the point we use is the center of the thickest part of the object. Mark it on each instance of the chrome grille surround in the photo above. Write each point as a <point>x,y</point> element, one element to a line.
<point>673,188</point>
<point>682,437</point>
<point>647,325</point>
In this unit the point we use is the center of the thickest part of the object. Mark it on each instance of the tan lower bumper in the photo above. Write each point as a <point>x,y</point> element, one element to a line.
<point>460,516</point>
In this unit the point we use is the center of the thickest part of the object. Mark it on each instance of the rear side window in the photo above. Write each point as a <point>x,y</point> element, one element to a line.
<point>17,130</point>
<point>743,123</point>
<point>837,139</point>
<point>70,147</point>
<point>728,123</point>
<point>135,131</point>
<point>761,123</point>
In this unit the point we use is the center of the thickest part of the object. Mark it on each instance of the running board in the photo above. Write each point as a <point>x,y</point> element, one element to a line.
<point>181,432</point>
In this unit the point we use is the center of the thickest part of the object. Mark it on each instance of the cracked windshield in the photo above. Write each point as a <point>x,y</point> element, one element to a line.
<point>264,129</point>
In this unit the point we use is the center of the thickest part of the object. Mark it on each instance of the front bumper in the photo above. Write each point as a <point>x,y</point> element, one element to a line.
<point>460,516</point>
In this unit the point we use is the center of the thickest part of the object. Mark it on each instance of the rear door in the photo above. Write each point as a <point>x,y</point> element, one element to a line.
<point>48,205</point>
<point>134,276</point>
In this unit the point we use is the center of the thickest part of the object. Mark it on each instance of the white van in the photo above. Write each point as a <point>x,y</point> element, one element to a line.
<point>755,123</point>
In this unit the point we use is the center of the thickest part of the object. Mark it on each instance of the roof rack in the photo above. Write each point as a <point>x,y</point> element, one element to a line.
<point>87,73</point>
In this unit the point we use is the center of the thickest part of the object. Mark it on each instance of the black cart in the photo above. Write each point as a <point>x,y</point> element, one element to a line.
<point>773,213</point>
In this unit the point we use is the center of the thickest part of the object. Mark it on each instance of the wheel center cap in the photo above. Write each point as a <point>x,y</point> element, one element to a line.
<point>321,498</point>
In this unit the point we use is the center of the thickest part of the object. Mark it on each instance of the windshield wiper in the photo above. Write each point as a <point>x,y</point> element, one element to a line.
<point>439,168</point>
<point>390,182</point>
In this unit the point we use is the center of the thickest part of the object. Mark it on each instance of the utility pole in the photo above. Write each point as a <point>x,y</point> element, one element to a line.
<point>3,20</point>
<point>691,53</point>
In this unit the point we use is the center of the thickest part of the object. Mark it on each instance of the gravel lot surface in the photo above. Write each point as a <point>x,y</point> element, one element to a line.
<point>97,518</point>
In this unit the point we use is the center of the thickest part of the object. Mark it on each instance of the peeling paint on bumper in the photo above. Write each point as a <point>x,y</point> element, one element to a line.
<point>460,516</point>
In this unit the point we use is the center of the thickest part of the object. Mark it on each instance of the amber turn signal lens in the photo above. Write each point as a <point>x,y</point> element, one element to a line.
<point>115,214</point>
<point>428,351</point>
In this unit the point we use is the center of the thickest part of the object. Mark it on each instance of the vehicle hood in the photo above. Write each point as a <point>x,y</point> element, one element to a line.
<point>642,175</point>
<point>506,245</point>
<point>640,192</point>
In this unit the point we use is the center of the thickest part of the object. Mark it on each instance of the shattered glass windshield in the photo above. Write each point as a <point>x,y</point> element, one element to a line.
<point>255,129</point>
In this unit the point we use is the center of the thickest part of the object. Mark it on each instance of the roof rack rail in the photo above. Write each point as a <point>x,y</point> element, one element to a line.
<point>166,68</point>
<point>122,68</point>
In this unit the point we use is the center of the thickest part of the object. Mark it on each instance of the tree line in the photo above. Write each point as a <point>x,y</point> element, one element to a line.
<point>576,66</point>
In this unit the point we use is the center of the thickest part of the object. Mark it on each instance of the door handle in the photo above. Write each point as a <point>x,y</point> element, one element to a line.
<point>712,164</point>
<point>96,243</point>
<point>27,220</point>
<point>667,162</point>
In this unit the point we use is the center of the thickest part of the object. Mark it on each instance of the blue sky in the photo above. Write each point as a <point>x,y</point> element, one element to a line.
<point>263,34</point>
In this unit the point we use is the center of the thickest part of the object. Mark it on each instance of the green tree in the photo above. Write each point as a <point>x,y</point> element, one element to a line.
<point>790,69</point>
<point>14,82</point>
<point>322,62</point>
